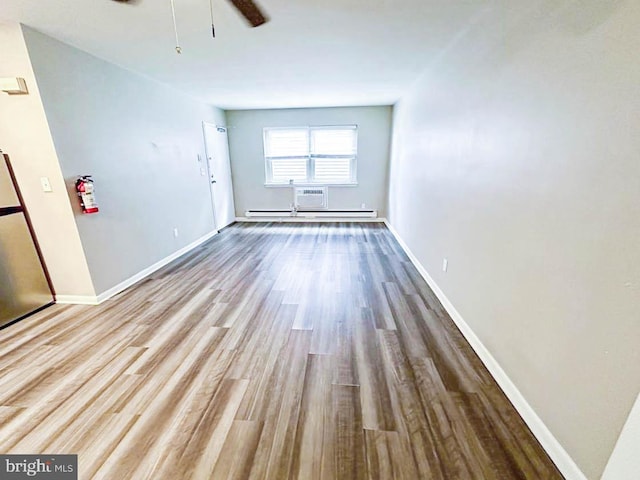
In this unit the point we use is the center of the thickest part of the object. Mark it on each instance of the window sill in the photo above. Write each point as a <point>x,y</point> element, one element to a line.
<point>289,185</point>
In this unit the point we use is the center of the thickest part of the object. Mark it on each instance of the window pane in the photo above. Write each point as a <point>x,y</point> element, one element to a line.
<point>282,142</point>
<point>334,141</point>
<point>332,170</point>
<point>285,169</point>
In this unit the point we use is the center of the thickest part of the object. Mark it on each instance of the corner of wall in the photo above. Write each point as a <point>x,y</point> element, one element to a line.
<point>624,461</point>
<point>26,138</point>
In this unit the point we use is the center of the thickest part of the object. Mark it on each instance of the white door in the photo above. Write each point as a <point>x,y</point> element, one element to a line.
<point>219,166</point>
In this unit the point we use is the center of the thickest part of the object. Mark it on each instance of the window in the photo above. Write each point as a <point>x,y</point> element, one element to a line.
<point>325,155</point>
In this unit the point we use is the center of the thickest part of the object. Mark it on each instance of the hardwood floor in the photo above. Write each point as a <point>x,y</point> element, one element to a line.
<point>274,351</point>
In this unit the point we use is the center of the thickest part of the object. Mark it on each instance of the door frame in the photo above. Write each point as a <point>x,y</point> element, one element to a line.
<point>207,158</point>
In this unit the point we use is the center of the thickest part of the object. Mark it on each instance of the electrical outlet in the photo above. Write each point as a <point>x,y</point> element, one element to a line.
<point>362,206</point>
<point>445,264</point>
<point>175,232</point>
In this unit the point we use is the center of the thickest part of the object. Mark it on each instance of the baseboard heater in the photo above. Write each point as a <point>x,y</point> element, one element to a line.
<point>324,213</point>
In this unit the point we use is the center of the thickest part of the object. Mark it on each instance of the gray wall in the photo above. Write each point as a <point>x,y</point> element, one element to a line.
<point>140,140</point>
<point>516,157</point>
<point>247,155</point>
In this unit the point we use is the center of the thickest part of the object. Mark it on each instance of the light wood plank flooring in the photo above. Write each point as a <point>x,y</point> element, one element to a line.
<point>274,351</point>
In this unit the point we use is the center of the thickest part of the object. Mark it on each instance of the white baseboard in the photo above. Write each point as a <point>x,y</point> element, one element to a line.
<point>312,214</point>
<point>552,446</point>
<point>95,300</point>
<point>77,299</point>
<point>310,219</point>
<point>156,266</point>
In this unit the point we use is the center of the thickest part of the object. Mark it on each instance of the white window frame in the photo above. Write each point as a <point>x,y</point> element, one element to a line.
<point>311,158</point>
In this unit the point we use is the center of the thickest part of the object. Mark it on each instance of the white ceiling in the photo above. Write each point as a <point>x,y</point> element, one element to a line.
<point>311,53</point>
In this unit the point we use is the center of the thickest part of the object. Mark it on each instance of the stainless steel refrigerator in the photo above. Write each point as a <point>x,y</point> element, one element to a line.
<point>24,285</point>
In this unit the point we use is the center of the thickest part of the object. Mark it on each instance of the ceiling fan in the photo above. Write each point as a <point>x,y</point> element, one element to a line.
<point>247,8</point>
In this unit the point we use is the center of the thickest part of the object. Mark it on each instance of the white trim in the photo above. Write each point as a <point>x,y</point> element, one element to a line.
<point>95,300</point>
<point>290,215</point>
<point>552,446</point>
<point>300,219</point>
<point>77,299</point>
<point>156,266</point>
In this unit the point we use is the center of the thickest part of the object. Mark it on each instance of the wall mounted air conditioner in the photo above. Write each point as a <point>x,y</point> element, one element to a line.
<point>310,198</point>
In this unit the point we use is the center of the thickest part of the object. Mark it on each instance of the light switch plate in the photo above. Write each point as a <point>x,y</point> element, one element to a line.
<point>46,185</point>
<point>13,86</point>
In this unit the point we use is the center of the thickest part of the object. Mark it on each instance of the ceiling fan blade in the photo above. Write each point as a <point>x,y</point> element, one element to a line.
<point>250,11</point>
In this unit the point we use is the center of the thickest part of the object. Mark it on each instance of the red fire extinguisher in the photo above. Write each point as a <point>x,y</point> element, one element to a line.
<point>85,190</point>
